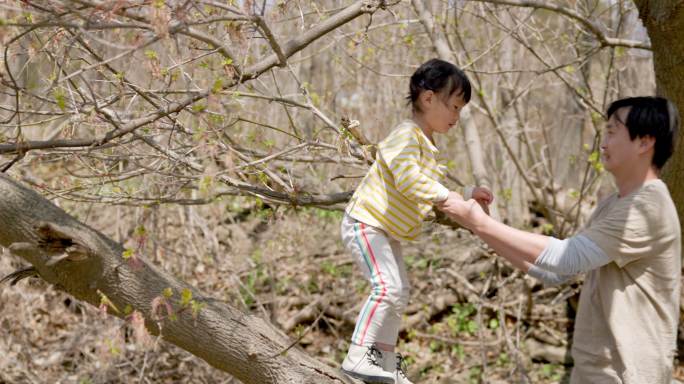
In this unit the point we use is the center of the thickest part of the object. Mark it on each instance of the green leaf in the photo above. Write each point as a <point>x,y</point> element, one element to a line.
<point>502,359</point>
<point>58,93</point>
<point>598,167</point>
<point>168,292</point>
<point>435,345</point>
<point>152,55</point>
<point>315,98</point>
<point>140,230</point>
<point>471,327</point>
<point>594,157</point>
<point>186,297</point>
<point>127,253</point>
<point>458,351</point>
<point>196,307</point>
<point>218,86</point>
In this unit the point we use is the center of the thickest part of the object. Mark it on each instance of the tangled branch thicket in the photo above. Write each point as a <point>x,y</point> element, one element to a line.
<point>217,139</point>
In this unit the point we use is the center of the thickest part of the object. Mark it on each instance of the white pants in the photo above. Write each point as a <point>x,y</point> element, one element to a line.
<point>380,259</point>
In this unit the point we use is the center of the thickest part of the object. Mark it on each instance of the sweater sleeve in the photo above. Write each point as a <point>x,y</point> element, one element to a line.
<point>572,256</point>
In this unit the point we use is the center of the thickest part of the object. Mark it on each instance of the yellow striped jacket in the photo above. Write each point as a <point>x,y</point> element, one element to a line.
<point>399,189</point>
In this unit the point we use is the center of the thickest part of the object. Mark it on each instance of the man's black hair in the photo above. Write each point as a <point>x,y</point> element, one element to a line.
<point>651,116</point>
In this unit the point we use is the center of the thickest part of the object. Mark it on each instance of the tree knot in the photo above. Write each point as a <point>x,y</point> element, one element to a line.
<point>371,6</point>
<point>55,239</point>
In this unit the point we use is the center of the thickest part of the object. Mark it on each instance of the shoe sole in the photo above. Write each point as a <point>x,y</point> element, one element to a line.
<point>368,379</point>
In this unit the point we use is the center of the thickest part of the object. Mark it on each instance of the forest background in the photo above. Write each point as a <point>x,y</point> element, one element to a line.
<point>205,151</point>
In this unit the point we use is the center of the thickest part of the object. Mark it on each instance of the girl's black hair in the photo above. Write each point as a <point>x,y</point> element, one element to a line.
<point>651,116</point>
<point>441,77</point>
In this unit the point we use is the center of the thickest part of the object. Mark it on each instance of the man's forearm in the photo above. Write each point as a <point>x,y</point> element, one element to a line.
<point>519,247</point>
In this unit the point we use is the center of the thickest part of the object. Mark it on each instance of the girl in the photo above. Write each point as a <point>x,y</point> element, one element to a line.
<point>389,205</point>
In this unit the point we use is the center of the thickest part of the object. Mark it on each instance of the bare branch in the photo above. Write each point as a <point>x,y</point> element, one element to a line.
<point>291,47</point>
<point>594,28</point>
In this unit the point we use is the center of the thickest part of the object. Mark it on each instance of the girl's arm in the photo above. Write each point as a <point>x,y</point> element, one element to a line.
<point>402,156</point>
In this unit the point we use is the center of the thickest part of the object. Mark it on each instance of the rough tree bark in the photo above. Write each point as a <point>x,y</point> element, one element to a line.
<point>88,265</point>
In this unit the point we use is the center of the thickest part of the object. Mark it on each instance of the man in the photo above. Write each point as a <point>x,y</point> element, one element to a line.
<point>626,325</point>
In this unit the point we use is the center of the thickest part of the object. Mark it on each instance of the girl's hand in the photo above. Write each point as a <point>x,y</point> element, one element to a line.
<point>484,197</point>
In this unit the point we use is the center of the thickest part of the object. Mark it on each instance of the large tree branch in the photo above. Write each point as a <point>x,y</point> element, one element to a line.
<point>88,265</point>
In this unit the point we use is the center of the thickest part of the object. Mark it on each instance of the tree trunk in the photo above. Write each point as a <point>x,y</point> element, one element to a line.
<point>88,265</point>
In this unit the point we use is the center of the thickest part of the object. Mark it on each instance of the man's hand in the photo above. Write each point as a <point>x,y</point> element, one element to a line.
<point>469,213</point>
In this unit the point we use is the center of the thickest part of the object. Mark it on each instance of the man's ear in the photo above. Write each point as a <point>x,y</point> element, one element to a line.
<point>646,143</point>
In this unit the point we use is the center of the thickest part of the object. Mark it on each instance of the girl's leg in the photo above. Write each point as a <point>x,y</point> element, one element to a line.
<point>394,362</point>
<point>401,291</point>
<point>377,325</point>
<point>379,258</point>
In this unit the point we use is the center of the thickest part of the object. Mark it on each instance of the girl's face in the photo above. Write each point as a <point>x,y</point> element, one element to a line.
<point>439,114</point>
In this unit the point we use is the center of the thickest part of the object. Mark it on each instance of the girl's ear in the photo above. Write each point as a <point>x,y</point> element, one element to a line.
<point>427,98</point>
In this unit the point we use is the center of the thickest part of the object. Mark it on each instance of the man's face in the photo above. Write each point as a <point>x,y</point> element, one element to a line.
<point>619,152</point>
